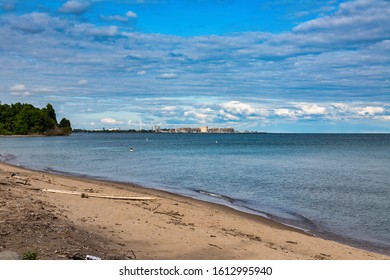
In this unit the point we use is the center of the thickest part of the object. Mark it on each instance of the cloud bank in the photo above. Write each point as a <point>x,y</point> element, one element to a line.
<point>331,69</point>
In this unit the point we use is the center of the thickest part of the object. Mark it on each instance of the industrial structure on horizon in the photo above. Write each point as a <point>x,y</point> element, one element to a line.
<point>203,129</point>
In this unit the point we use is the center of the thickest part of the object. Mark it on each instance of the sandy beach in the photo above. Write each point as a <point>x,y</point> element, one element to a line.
<point>35,217</point>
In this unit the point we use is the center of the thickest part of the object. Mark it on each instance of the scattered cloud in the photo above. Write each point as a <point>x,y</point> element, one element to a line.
<point>114,18</point>
<point>8,6</point>
<point>311,109</point>
<point>385,118</point>
<point>131,14</point>
<point>369,110</point>
<point>333,67</point>
<point>240,108</point>
<point>111,121</point>
<point>83,82</point>
<point>167,76</point>
<point>102,31</point>
<point>199,116</point>
<point>227,116</point>
<point>120,18</point>
<point>18,88</point>
<point>42,90</point>
<point>74,7</point>
<point>20,93</point>
<point>285,113</point>
<point>30,23</point>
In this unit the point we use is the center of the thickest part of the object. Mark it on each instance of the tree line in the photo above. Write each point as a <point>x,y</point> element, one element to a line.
<point>25,119</point>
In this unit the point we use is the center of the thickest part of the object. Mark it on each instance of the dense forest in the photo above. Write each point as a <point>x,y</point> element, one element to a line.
<point>25,119</point>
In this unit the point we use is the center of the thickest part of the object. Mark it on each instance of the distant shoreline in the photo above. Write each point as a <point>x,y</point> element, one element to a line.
<point>78,131</point>
<point>161,132</point>
<point>23,136</point>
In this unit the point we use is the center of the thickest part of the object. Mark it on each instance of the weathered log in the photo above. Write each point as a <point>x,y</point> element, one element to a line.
<point>107,196</point>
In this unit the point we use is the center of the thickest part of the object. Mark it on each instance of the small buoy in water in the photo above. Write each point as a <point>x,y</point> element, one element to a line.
<point>216,142</point>
<point>131,149</point>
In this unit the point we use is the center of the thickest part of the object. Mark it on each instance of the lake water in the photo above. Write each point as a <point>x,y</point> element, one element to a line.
<point>333,185</point>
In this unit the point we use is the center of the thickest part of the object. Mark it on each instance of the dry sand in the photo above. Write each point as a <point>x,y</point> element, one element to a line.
<point>63,226</point>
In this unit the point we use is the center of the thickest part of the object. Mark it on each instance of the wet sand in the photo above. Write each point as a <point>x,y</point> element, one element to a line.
<point>64,225</point>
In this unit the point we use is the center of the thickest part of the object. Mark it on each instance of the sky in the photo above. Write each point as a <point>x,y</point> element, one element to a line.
<point>276,66</point>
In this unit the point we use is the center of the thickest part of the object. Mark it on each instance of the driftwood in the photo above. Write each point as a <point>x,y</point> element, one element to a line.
<point>20,180</point>
<point>86,195</point>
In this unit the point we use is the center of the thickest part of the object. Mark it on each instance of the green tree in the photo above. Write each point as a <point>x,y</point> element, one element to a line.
<point>25,119</point>
<point>66,126</point>
<point>50,112</point>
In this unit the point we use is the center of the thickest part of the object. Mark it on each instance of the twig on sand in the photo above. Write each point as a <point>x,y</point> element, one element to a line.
<point>84,195</point>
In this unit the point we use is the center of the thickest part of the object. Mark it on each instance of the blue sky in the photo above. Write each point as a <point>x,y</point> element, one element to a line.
<point>276,66</point>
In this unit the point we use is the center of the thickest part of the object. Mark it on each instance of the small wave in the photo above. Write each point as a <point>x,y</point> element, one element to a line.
<point>308,223</point>
<point>216,195</point>
<point>73,174</point>
<point>7,157</point>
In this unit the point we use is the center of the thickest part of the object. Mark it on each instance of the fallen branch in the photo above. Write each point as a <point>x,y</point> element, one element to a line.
<point>86,195</point>
<point>20,180</point>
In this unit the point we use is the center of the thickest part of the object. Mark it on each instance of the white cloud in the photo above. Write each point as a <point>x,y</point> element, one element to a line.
<point>22,90</point>
<point>385,118</point>
<point>83,82</point>
<point>309,65</point>
<point>111,121</point>
<point>350,14</point>
<point>227,116</point>
<point>167,76</point>
<point>73,7</point>
<point>301,110</point>
<point>197,115</point>
<point>202,115</point>
<point>24,93</point>
<point>333,111</point>
<point>354,22</point>
<point>35,23</point>
<point>42,90</point>
<point>103,31</point>
<point>131,14</point>
<point>114,18</point>
<point>312,109</point>
<point>169,108</point>
<point>120,18</point>
<point>369,110</point>
<point>357,111</point>
<point>8,6</point>
<point>341,107</point>
<point>18,88</point>
<point>238,107</point>
<point>285,113</point>
<point>31,23</point>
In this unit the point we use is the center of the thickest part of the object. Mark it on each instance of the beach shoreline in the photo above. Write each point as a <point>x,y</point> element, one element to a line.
<point>169,227</point>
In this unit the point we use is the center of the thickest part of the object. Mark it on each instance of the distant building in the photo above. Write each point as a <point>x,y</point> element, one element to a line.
<point>227,130</point>
<point>221,130</point>
<point>203,129</point>
<point>187,130</point>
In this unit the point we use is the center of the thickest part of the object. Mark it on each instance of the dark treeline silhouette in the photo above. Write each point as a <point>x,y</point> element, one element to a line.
<point>25,119</point>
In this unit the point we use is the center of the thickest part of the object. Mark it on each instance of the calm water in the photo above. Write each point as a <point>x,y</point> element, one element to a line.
<point>333,185</point>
